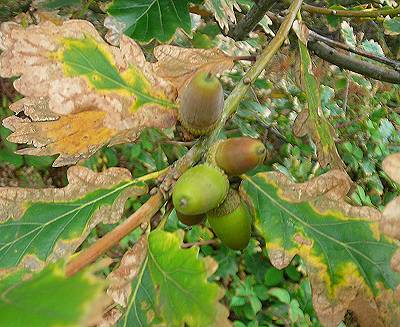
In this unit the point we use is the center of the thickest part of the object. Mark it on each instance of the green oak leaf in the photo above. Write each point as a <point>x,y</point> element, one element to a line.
<point>171,286</point>
<point>312,120</point>
<point>152,19</point>
<point>48,298</point>
<point>347,257</point>
<point>39,225</point>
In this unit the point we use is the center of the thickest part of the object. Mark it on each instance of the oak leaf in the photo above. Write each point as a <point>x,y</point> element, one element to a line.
<point>82,93</point>
<point>350,262</point>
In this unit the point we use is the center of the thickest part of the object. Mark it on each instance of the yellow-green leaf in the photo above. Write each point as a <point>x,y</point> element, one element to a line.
<point>49,298</point>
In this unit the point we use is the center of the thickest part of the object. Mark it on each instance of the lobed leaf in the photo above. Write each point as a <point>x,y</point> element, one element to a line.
<point>169,286</point>
<point>40,299</point>
<point>41,225</point>
<point>152,19</point>
<point>347,257</point>
<point>80,92</point>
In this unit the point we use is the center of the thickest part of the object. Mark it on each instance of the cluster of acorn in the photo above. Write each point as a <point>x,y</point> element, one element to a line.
<point>204,190</point>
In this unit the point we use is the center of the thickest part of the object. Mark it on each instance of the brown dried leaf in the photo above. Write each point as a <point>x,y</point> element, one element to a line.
<point>74,109</point>
<point>390,223</point>
<point>391,166</point>
<point>178,65</point>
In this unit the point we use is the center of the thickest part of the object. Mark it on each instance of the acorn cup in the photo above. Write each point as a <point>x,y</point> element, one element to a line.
<point>231,221</point>
<point>190,220</point>
<point>236,156</point>
<point>202,104</point>
<point>199,190</point>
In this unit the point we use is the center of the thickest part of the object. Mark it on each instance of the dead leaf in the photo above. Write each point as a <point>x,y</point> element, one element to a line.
<point>121,278</point>
<point>107,99</point>
<point>390,223</point>
<point>178,65</point>
<point>391,166</point>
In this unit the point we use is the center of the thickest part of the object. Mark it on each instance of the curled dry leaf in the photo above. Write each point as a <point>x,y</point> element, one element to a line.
<point>81,92</point>
<point>178,65</point>
<point>67,215</point>
<point>349,261</point>
<point>391,166</point>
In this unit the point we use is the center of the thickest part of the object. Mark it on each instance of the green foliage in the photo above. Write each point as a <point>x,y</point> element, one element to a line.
<point>165,17</point>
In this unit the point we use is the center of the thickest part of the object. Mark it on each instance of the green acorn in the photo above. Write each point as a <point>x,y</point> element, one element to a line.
<point>202,104</point>
<point>237,155</point>
<point>231,221</point>
<point>199,190</point>
<point>190,220</point>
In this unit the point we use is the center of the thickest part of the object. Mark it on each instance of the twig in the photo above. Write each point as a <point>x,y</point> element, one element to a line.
<point>317,37</point>
<point>199,243</point>
<point>352,13</point>
<point>251,19</point>
<point>248,58</point>
<point>90,254</point>
<point>156,201</point>
<point>191,143</point>
<point>350,63</point>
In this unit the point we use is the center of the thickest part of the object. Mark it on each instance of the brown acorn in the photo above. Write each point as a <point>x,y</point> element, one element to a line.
<point>202,104</point>
<point>237,155</point>
<point>190,220</point>
<point>231,221</point>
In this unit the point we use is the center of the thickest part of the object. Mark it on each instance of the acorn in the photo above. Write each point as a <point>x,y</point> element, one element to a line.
<point>236,156</point>
<point>199,190</point>
<point>202,104</point>
<point>190,220</point>
<point>231,221</point>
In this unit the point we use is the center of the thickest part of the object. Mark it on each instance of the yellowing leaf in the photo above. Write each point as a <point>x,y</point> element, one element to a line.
<point>178,65</point>
<point>42,225</point>
<point>223,11</point>
<point>49,298</point>
<point>74,80</point>
<point>348,259</point>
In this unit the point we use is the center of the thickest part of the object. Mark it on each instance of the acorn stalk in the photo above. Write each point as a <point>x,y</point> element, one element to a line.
<point>202,104</point>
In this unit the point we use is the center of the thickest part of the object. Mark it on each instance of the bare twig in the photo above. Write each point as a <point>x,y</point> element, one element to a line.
<point>352,13</point>
<point>356,65</point>
<point>156,201</point>
<point>251,19</point>
<point>199,243</point>
<point>317,37</point>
